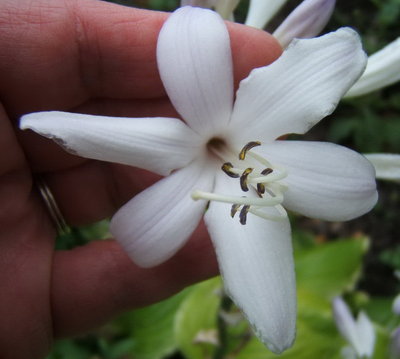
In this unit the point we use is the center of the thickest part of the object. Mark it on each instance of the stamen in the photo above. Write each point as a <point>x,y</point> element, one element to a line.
<point>280,216</point>
<point>235,207</point>
<point>261,202</point>
<point>272,177</point>
<point>243,179</point>
<point>247,148</point>
<point>260,189</point>
<point>267,171</point>
<point>265,184</point>
<point>227,168</point>
<point>243,214</point>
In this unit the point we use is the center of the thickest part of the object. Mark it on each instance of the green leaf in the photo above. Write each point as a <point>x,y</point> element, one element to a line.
<point>68,348</point>
<point>330,268</point>
<point>382,344</point>
<point>391,257</point>
<point>152,328</point>
<point>196,320</point>
<point>316,338</point>
<point>379,310</point>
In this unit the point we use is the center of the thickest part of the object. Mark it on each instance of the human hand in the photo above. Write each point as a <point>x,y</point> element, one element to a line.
<point>82,56</point>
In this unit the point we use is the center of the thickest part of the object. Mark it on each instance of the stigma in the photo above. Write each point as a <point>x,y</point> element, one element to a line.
<point>259,180</point>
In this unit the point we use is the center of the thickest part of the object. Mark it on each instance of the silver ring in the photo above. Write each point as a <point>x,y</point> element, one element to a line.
<point>52,207</point>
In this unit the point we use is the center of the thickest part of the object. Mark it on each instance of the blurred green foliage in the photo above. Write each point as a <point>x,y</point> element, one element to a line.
<point>200,322</point>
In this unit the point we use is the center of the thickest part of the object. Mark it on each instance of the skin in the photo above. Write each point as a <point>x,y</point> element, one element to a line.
<point>93,57</point>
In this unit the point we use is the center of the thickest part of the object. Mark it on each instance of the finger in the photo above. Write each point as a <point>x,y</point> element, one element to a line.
<point>95,190</point>
<point>77,49</point>
<point>26,248</point>
<point>92,284</point>
<point>74,50</point>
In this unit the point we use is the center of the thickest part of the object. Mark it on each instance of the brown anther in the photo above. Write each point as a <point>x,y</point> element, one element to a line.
<point>267,171</point>
<point>243,214</point>
<point>260,189</point>
<point>226,167</point>
<point>235,207</point>
<point>243,179</point>
<point>247,148</point>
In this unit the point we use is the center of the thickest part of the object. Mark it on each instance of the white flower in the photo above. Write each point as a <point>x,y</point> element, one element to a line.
<point>394,348</point>
<point>360,333</point>
<point>383,69</point>
<point>317,179</point>
<point>262,11</point>
<point>396,305</point>
<point>387,165</point>
<point>308,20</point>
<point>305,21</point>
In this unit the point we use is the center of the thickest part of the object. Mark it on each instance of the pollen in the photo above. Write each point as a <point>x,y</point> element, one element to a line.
<point>247,148</point>
<point>243,179</point>
<point>227,167</point>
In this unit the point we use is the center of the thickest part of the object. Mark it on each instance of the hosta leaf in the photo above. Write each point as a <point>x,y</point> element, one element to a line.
<point>196,321</point>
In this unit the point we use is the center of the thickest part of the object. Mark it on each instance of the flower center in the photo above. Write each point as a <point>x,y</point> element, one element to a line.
<point>255,175</point>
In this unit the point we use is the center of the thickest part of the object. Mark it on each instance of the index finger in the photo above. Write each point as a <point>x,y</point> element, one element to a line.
<point>80,49</point>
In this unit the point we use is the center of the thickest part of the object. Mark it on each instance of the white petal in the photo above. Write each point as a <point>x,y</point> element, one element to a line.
<point>345,322</point>
<point>396,305</point>
<point>156,144</point>
<point>366,335</point>
<point>383,69</point>
<point>394,348</point>
<point>324,180</point>
<point>387,166</point>
<point>156,223</point>
<point>305,21</point>
<point>225,7</point>
<point>300,88</point>
<point>261,11</point>
<point>257,266</point>
<point>348,353</point>
<point>195,63</point>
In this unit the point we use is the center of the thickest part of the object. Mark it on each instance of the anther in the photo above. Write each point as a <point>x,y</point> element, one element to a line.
<point>267,171</point>
<point>243,179</point>
<point>226,167</point>
<point>243,214</point>
<point>235,207</point>
<point>247,148</point>
<point>260,189</point>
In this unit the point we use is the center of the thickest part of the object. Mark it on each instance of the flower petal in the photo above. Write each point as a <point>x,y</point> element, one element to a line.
<point>195,63</point>
<point>225,8</point>
<point>366,335</point>
<point>261,11</point>
<point>156,223</point>
<point>396,305</point>
<point>305,21</point>
<point>156,144</point>
<point>256,262</point>
<point>387,165</point>
<point>324,180</point>
<point>300,88</point>
<point>345,322</point>
<point>394,348</point>
<point>383,69</point>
